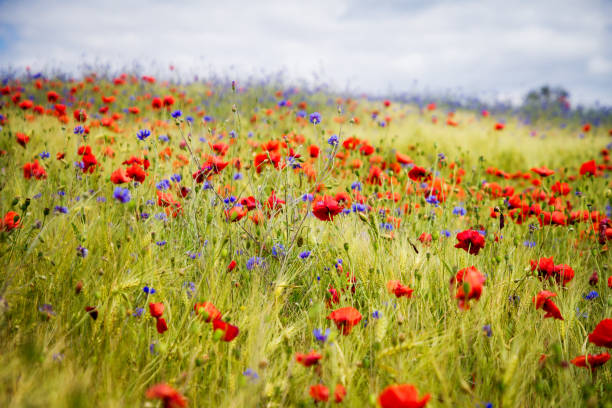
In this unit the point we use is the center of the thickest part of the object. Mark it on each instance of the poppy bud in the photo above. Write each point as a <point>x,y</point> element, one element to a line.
<point>79,287</point>
<point>346,246</point>
<point>15,201</point>
<point>218,334</point>
<point>46,211</point>
<point>25,204</point>
<point>594,279</point>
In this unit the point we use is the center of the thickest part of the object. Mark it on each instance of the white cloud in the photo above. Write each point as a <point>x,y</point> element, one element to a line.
<point>478,45</point>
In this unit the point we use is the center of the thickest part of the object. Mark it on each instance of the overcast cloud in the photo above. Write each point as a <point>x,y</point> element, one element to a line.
<point>479,47</point>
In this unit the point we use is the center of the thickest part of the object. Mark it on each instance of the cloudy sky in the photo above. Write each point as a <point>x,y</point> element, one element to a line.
<point>480,47</point>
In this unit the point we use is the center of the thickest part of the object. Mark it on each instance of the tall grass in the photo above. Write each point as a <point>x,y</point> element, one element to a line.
<point>68,359</point>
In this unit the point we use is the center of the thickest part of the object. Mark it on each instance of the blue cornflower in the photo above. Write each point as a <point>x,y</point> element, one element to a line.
<point>251,374</point>
<point>101,199</point>
<point>144,215</point>
<point>232,134</point>
<point>305,254</point>
<point>138,312</point>
<point>301,114</point>
<point>253,262</point>
<point>320,336</point>
<point>82,251</point>
<point>207,118</point>
<point>163,185</point>
<point>315,118</point>
<point>189,119</point>
<point>79,130</point>
<point>163,138</point>
<point>357,207</point>
<point>150,202</point>
<point>433,200</point>
<point>459,211</point>
<point>61,209</point>
<point>333,140</point>
<point>356,186</point>
<point>161,216</point>
<point>386,226</point>
<point>176,178</point>
<point>161,243</point>
<point>382,123</point>
<point>143,134</point>
<point>441,156</point>
<point>238,176</point>
<point>176,114</point>
<point>44,155</point>
<point>529,244</point>
<point>190,287</point>
<point>148,290</point>
<point>278,250</point>
<point>376,314</point>
<point>307,197</point>
<point>487,329</point>
<point>122,194</point>
<point>591,295</point>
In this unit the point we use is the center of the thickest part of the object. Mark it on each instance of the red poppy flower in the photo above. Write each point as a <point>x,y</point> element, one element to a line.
<point>417,173</point>
<point>544,266</point>
<point>563,274</point>
<point>52,96</point>
<point>326,209</point>
<point>366,149</point>
<point>470,241</point>
<point>402,396</point>
<point>309,359</point>
<point>80,115</point>
<point>207,311</point>
<point>610,282</point>
<point>593,360</point>
<point>499,126</point>
<point>588,168</point>
<point>319,393</point>
<point>249,202</point>
<point>214,165</point>
<point>399,290</point>
<point>156,103</point>
<point>602,334</point>
<point>93,312</point>
<point>161,325</point>
<point>10,222</point>
<point>34,170</point>
<point>168,100</point>
<point>229,332</point>
<point>274,203</point>
<point>171,398</point>
<point>339,393</point>
<point>313,151</point>
<point>119,176</point>
<point>469,283</point>
<point>403,158</point>
<point>543,171</point>
<point>542,300</point>
<point>235,213</point>
<point>156,309</point>
<point>22,139</point>
<point>345,318</point>
<point>231,266</point>
<point>425,238</point>
<point>27,104</point>
<point>136,173</point>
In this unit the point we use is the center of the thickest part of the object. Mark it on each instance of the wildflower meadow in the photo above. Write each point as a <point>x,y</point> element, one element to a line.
<point>214,243</point>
